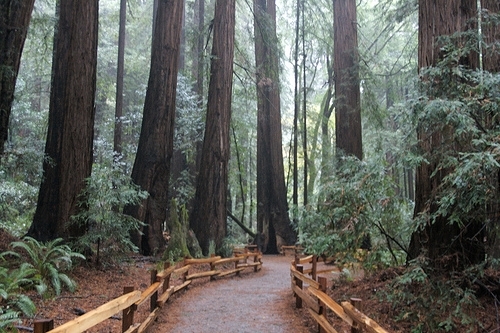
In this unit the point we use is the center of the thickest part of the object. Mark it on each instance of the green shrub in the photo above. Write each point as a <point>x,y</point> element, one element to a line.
<point>358,202</point>
<point>108,229</point>
<point>48,261</point>
<point>432,303</point>
<point>13,303</point>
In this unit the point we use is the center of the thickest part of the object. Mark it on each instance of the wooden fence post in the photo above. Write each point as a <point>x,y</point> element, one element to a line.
<point>357,303</point>
<point>154,297</point>
<point>186,272</point>
<point>43,325</point>
<point>128,313</point>
<point>314,267</point>
<point>322,309</point>
<point>166,281</point>
<point>236,267</point>
<point>212,267</point>
<point>298,283</point>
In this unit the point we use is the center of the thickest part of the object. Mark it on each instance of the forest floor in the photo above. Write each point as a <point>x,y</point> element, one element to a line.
<point>252,302</point>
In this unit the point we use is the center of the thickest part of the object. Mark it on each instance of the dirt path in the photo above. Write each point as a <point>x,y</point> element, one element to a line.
<point>253,302</point>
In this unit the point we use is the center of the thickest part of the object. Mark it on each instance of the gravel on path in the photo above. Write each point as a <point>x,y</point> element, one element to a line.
<point>251,303</point>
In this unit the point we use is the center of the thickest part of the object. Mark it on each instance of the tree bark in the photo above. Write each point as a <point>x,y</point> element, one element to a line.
<point>491,33</point>
<point>435,238</point>
<point>491,63</point>
<point>14,21</point>
<point>68,150</point>
<point>272,207</point>
<point>151,169</point>
<point>346,67</point>
<point>117,139</point>
<point>208,218</point>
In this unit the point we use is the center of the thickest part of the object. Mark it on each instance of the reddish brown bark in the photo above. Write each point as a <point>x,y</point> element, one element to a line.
<point>439,237</point>
<point>346,68</point>
<point>69,143</point>
<point>491,33</point>
<point>272,207</point>
<point>14,21</point>
<point>208,218</point>
<point>151,169</point>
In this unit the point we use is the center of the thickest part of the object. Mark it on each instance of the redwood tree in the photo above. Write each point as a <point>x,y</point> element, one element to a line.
<point>208,218</point>
<point>14,21</point>
<point>117,138</point>
<point>151,169</point>
<point>438,237</point>
<point>68,150</point>
<point>346,68</point>
<point>272,207</point>
<point>491,33</point>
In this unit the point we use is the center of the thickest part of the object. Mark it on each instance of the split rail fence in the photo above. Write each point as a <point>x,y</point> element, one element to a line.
<point>311,291</point>
<point>157,293</point>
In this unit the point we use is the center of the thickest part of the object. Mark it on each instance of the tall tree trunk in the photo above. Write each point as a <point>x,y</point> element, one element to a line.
<point>491,33</point>
<point>68,150</point>
<point>272,207</point>
<point>304,107</point>
<point>491,63</point>
<point>151,169</point>
<point>117,139</point>
<point>295,192</point>
<point>327,110</point>
<point>14,21</point>
<point>346,67</point>
<point>435,19</point>
<point>208,218</point>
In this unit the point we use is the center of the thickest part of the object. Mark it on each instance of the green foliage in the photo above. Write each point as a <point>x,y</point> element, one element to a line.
<point>189,128</point>
<point>108,190</point>
<point>358,201</point>
<point>444,304</point>
<point>48,260</point>
<point>13,302</point>
<point>226,250</point>
<point>178,225</point>
<point>17,205</point>
<point>459,109</point>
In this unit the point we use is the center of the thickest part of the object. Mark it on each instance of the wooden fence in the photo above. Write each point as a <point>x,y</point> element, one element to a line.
<point>312,291</point>
<point>157,293</point>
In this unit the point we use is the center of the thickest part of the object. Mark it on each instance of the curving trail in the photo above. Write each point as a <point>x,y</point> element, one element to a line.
<point>252,303</point>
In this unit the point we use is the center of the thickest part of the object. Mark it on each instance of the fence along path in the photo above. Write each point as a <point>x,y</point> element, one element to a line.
<point>311,291</point>
<point>157,293</point>
<point>263,303</point>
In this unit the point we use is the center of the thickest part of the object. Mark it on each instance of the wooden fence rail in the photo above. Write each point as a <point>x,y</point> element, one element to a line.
<point>158,293</point>
<point>312,292</point>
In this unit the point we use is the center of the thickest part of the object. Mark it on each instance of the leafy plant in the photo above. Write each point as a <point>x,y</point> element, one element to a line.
<point>17,204</point>
<point>48,261</point>
<point>445,303</point>
<point>357,204</point>
<point>13,302</point>
<point>108,229</point>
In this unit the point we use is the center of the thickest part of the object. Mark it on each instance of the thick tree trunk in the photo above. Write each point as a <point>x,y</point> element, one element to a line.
<point>69,143</point>
<point>272,207</point>
<point>208,218</point>
<point>152,163</point>
<point>491,33</point>
<point>491,63</point>
<point>439,237</point>
<point>346,67</point>
<point>14,21</point>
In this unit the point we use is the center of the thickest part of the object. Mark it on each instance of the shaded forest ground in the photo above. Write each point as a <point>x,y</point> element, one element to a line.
<point>98,286</point>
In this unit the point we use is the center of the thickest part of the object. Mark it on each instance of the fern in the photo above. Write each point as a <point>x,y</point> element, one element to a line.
<point>48,261</point>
